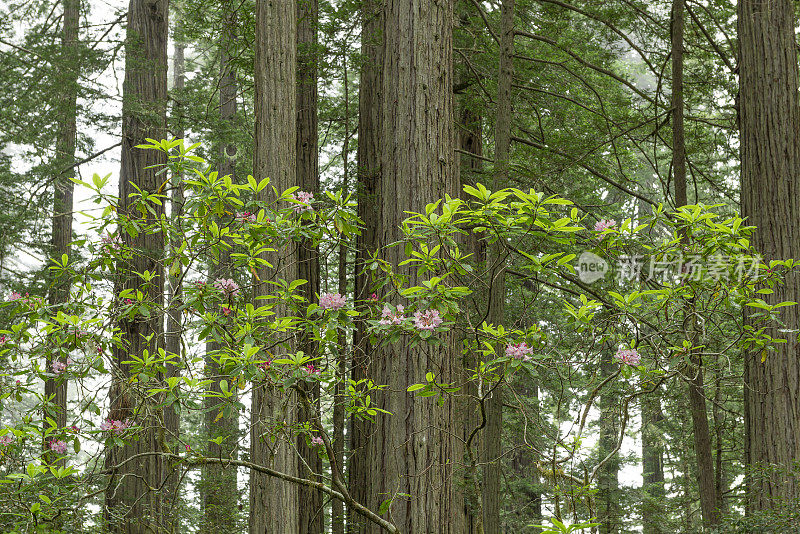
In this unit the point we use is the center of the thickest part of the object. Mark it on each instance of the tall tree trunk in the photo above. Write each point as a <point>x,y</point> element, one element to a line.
<point>413,451</point>
<point>221,419</point>
<point>55,389</point>
<point>769,120</point>
<point>370,122</point>
<point>493,438</point>
<point>608,510</point>
<point>470,170</point>
<point>311,502</point>
<point>720,482</point>
<point>174,329</point>
<point>131,507</point>
<point>697,398</point>
<point>653,490</point>
<point>337,507</point>
<point>274,503</point>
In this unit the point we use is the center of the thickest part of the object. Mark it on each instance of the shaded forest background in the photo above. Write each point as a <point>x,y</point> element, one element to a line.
<point>630,109</point>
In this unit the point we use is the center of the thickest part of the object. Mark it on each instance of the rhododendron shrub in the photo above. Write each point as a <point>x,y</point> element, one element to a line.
<point>541,235</point>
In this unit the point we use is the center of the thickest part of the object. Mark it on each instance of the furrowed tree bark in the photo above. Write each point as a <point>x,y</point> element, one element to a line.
<point>608,509</point>
<point>769,121</point>
<point>653,490</point>
<point>470,172</point>
<point>413,451</point>
<point>131,507</point>
<point>697,399</point>
<point>174,329</point>
<point>274,503</point>
<point>493,438</point>
<point>337,507</point>
<point>55,389</point>
<point>311,499</point>
<point>370,122</point>
<point>221,419</point>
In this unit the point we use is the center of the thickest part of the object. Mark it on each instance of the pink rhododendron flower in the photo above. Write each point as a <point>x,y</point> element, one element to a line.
<point>59,366</point>
<point>14,296</point>
<point>317,440</point>
<point>58,446</point>
<point>373,297</point>
<point>603,225</point>
<point>8,439</point>
<point>226,310</point>
<point>310,369</point>
<point>115,425</point>
<point>111,242</point>
<point>74,429</point>
<point>520,351</point>
<point>629,356</point>
<point>304,198</point>
<point>246,217</point>
<point>331,301</point>
<point>188,447</point>
<point>227,286</point>
<point>264,366</point>
<point>392,317</point>
<point>427,320</point>
<point>3,339</point>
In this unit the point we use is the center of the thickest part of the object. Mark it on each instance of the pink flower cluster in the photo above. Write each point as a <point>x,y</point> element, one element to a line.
<point>116,426</point>
<point>58,446</point>
<point>111,242</point>
<point>317,440</point>
<point>3,339</point>
<point>629,356</point>
<point>227,286</point>
<point>310,369</point>
<point>304,198</point>
<point>264,366</point>
<point>246,217</point>
<point>32,302</point>
<point>331,301</point>
<point>603,225</point>
<point>520,351</point>
<point>59,366</point>
<point>427,320</point>
<point>6,440</point>
<point>392,317</point>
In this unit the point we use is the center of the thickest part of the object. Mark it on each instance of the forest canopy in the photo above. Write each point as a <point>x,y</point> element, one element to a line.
<point>430,266</point>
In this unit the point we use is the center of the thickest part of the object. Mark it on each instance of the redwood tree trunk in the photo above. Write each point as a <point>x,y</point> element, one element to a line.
<point>493,438</point>
<point>608,509</point>
<point>311,502</point>
<point>413,451</point>
<point>219,489</point>
<point>55,389</point>
<point>174,329</point>
<point>769,120</point>
<point>367,158</point>
<point>697,398</point>
<point>131,507</point>
<point>654,493</point>
<point>274,504</point>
